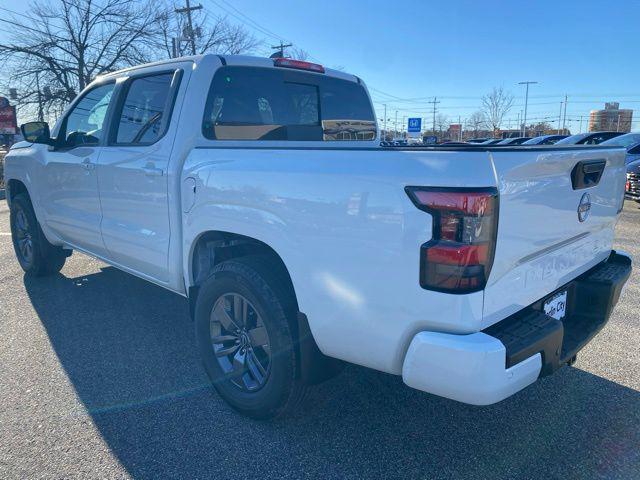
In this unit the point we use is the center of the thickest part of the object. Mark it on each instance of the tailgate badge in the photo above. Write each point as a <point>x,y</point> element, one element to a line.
<point>584,207</point>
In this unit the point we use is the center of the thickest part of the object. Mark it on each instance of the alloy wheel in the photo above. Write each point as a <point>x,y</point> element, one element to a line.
<point>24,240</point>
<point>240,342</point>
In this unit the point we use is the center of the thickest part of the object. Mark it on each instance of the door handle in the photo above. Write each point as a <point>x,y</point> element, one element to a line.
<point>87,164</point>
<point>151,171</point>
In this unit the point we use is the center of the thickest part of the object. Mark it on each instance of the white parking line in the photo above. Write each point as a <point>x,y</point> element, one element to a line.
<point>8,234</point>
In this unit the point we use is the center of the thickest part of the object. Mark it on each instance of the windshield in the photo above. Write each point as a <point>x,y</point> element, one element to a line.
<point>626,141</point>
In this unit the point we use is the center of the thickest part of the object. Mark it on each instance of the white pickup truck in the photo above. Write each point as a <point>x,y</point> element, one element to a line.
<point>257,189</point>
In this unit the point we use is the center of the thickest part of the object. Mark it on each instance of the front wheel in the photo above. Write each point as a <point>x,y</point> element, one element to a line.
<point>245,340</point>
<point>35,254</point>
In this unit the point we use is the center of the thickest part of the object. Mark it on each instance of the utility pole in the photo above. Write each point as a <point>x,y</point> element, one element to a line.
<point>435,102</point>
<point>188,9</point>
<point>280,47</point>
<point>618,126</point>
<point>460,123</point>
<point>526,103</point>
<point>564,121</point>
<point>580,124</point>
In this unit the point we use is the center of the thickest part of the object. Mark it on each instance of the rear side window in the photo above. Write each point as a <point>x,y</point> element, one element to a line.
<point>145,107</point>
<point>248,103</point>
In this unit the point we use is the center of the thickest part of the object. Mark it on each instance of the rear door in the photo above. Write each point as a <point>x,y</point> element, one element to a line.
<point>133,173</point>
<point>543,240</point>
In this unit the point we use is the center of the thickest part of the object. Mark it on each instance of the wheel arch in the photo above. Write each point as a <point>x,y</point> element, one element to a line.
<point>214,246</point>
<point>15,187</point>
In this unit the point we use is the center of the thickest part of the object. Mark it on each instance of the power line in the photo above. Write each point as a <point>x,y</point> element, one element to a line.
<point>260,27</point>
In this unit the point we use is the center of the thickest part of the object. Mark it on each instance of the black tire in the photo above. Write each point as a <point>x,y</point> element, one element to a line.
<point>253,278</point>
<point>35,254</point>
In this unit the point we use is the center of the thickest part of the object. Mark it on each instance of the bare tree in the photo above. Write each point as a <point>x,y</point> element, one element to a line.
<point>297,53</point>
<point>60,47</point>
<point>210,34</point>
<point>442,122</point>
<point>476,122</point>
<point>541,128</point>
<point>495,106</point>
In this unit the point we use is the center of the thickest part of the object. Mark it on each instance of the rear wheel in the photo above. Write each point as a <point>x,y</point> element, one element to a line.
<point>245,340</point>
<point>35,254</point>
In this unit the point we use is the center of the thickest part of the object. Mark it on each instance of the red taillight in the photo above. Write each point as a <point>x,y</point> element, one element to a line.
<point>299,64</point>
<point>459,256</point>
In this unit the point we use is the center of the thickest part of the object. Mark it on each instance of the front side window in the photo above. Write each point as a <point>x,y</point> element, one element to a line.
<point>84,124</point>
<point>143,113</point>
<point>248,103</point>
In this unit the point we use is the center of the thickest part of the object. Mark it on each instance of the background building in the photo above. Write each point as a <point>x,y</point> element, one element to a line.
<point>612,118</point>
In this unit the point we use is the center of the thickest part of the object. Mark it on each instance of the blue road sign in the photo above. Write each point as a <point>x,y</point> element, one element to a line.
<point>414,125</point>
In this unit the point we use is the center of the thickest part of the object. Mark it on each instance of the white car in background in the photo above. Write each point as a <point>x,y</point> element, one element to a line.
<point>630,141</point>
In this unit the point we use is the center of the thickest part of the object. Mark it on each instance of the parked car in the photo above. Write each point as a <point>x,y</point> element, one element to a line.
<point>478,140</point>
<point>299,250</point>
<point>491,141</point>
<point>630,141</point>
<point>513,141</point>
<point>632,188</point>
<point>589,138</point>
<point>544,140</point>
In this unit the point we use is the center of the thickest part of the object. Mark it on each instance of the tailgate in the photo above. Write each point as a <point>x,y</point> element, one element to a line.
<point>543,241</point>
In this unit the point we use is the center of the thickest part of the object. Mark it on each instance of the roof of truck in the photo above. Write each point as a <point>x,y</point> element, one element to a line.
<point>245,60</point>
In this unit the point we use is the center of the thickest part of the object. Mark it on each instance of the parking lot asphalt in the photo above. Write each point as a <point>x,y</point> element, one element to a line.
<point>98,379</point>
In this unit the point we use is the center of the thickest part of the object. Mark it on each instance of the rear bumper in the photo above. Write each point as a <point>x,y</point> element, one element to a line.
<point>486,367</point>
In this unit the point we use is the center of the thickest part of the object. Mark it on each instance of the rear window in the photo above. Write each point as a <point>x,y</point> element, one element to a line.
<point>248,103</point>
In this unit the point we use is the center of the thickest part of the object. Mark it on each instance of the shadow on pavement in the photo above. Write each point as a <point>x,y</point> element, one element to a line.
<point>126,346</point>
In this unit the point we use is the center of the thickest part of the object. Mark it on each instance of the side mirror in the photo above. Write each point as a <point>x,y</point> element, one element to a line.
<point>36,132</point>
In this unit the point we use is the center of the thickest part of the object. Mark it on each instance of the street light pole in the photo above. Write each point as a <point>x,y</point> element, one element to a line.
<point>526,102</point>
<point>560,118</point>
<point>395,126</point>
<point>385,122</point>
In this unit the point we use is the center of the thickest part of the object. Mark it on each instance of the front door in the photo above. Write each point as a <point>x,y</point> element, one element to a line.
<point>70,195</point>
<point>133,174</point>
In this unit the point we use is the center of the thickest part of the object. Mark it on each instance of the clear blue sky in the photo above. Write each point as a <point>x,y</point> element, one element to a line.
<point>454,49</point>
<point>459,50</point>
